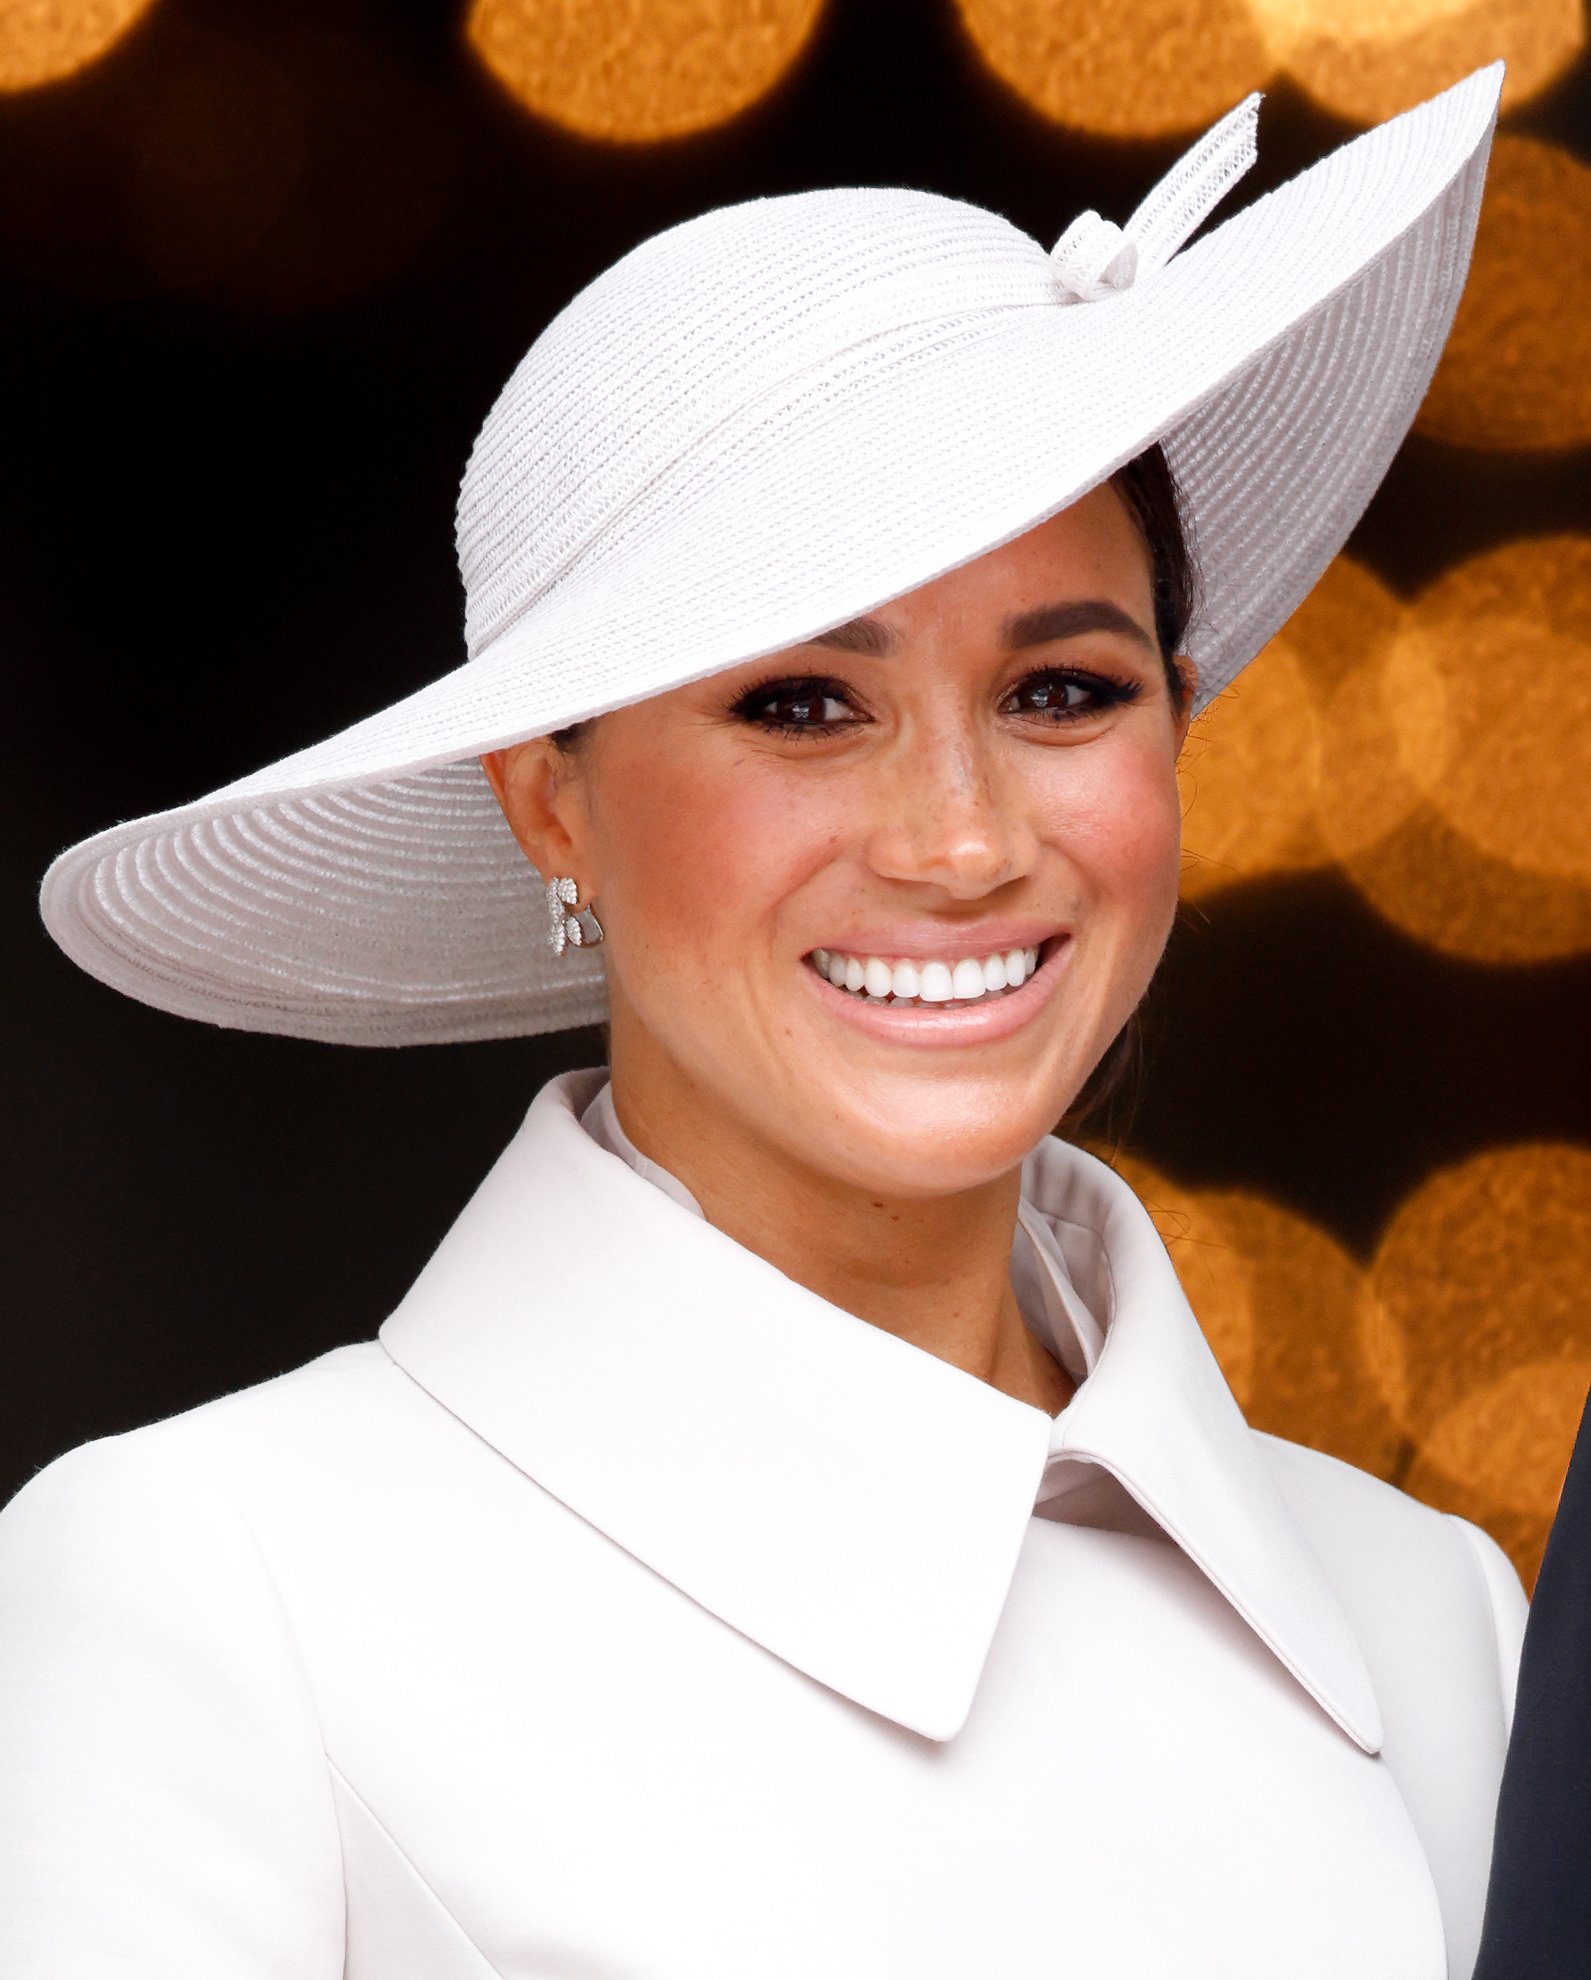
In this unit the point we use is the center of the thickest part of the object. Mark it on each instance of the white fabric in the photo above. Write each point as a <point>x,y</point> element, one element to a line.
<point>667,487</point>
<point>629,1612</point>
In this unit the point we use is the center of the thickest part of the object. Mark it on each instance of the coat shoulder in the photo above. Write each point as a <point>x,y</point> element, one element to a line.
<point>1417,1569</point>
<point>202,1467</point>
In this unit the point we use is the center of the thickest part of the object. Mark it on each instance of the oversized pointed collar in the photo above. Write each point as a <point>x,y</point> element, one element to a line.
<point>848,1501</point>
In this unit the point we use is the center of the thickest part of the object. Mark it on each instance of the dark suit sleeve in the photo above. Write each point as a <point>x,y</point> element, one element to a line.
<point>1538,1906</point>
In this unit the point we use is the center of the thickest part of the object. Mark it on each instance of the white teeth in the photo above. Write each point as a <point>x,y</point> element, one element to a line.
<point>964,981</point>
<point>967,979</point>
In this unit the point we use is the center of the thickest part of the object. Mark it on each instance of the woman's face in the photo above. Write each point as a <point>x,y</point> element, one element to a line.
<point>963,806</point>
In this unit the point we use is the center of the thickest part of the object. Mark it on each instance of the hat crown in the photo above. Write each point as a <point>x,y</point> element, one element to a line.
<point>686,330</point>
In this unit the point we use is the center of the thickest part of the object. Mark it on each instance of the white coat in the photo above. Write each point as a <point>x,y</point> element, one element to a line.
<point>627,1612</point>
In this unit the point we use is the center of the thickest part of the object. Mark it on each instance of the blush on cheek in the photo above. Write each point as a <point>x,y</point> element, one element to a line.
<point>1119,823</point>
<point>700,847</point>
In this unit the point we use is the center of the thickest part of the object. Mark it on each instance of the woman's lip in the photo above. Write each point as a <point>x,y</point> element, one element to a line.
<point>981,1023</point>
<point>950,945</point>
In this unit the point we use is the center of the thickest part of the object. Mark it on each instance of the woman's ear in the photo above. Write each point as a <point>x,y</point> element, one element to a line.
<point>543,799</point>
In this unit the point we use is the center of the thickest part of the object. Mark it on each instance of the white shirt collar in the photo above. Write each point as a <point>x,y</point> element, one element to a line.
<point>848,1501</point>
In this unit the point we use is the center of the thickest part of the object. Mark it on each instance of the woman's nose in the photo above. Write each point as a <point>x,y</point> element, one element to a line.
<point>950,815</point>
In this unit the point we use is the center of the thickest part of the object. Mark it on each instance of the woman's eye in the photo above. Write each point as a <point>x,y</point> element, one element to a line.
<point>797,707</point>
<point>1068,695</point>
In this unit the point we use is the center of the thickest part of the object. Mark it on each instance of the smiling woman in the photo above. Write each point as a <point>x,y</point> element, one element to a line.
<point>794,1525</point>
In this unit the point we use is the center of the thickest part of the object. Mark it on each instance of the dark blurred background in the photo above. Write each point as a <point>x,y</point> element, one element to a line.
<point>263,267</point>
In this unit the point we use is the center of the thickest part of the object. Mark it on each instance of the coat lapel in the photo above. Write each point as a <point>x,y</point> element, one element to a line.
<point>842,1498</point>
<point>1156,1412</point>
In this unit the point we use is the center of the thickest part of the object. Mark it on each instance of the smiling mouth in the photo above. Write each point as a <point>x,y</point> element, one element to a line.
<point>926,982</point>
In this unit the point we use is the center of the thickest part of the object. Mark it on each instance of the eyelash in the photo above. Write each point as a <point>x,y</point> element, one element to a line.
<point>1107,690</point>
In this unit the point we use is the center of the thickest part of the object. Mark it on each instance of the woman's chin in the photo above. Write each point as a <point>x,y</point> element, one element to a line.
<point>930,1148</point>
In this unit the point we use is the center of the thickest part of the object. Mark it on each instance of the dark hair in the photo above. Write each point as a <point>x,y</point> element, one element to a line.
<point>1149,489</point>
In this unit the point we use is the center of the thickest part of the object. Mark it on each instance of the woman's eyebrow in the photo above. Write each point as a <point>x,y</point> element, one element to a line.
<point>1034,628</point>
<point>858,636</point>
<point>1079,615</point>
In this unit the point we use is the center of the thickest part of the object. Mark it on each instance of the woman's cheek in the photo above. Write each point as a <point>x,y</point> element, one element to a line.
<point>695,865</point>
<point>1119,822</point>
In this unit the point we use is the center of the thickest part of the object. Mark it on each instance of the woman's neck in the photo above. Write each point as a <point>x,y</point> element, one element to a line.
<point>936,1271</point>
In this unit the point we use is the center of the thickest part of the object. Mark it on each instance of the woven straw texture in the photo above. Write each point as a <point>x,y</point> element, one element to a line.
<point>668,486</point>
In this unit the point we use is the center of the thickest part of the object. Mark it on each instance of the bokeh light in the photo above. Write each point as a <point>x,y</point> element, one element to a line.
<point>1284,1308</point>
<point>1440,752</point>
<point>1516,372</point>
<point>1251,770</point>
<point>1261,736</point>
<point>1456,1364</point>
<point>1485,1268</point>
<point>1312,1314</point>
<point>1436,886</point>
<point>1510,1442</point>
<point>1493,676</point>
<point>1480,1338</point>
<point>1148,68</point>
<point>42,41</point>
<point>1214,1274</point>
<point>1152,68</point>
<point>634,71</point>
<point>1366,60</point>
<point>1456,766</point>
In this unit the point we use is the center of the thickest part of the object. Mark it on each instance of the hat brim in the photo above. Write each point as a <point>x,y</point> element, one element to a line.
<point>367,890</point>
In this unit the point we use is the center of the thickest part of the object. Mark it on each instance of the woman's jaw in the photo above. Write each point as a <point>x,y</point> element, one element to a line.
<point>902,1100</point>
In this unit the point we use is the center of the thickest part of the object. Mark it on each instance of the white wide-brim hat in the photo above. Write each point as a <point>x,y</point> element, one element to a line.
<point>759,425</point>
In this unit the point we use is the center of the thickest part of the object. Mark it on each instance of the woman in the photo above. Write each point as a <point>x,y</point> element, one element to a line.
<point>794,1524</point>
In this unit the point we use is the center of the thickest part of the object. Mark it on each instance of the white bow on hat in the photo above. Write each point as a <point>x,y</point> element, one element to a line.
<point>1095,258</point>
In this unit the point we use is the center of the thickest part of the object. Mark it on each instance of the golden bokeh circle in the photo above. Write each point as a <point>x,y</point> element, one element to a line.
<point>42,41</point>
<point>1213,1272</point>
<point>1248,774</point>
<point>1287,1312</point>
<point>1155,68</point>
<point>1147,68</point>
<point>1253,768</point>
<point>635,71</point>
<point>1516,371</point>
<point>1437,886</point>
<point>1456,1364</point>
<point>1510,1442</point>
<point>1314,1309</point>
<point>1367,61</point>
<point>1456,759</point>
<point>1497,730</point>
<point>1485,1269</point>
